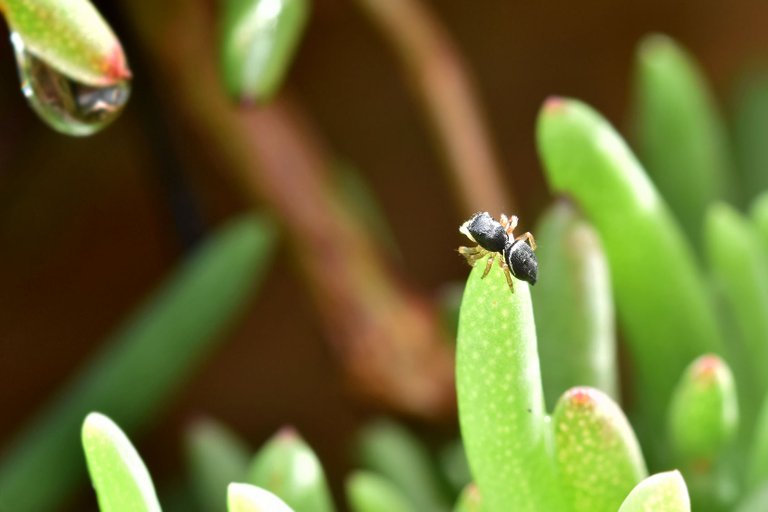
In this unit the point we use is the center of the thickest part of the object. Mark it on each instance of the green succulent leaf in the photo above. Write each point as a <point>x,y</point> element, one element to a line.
<point>750,123</point>
<point>759,215</point>
<point>704,412</point>
<point>454,466</point>
<point>259,39</point>
<point>469,500</point>
<point>573,304</point>
<point>662,492</point>
<point>597,452</point>
<point>757,466</point>
<point>756,501</point>
<point>506,432</point>
<point>370,492</point>
<point>139,368</point>
<point>118,474</point>
<point>71,36</point>
<point>393,452</point>
<point>662,299</point>
<point>739,264</point>
<point>680,136</point>
<point>249,498</point>
<point>215,457</point>
<point>287,467</point>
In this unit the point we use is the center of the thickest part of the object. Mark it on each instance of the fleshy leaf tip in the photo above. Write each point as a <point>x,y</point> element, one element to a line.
<point>287,433</point>
<point>554,104</point>
<point>581,396</point>
<point>117,68</point>
<point>707,366</point>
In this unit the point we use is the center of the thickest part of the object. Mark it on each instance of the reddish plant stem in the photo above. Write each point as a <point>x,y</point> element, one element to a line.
<point>445,89</point>
<point>388,338</point>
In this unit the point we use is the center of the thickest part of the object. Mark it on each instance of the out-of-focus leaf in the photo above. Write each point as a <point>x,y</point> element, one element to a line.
<point>249,498</point>
<point>505,429</point>
<point>681,138</point>
<point>390,450</point>
<point>756,501</point>
<point>739,264</point>
<point>573,304</point>
<point>141,365</point>
<point>703,420</point>
<point>750,124</point>
<point>759,215</point>
<point>469,500</point>
<point>370,492</point>
<point>258,41</point>
<point>454,465</point>
<point>704,413</point>
<point>215,457</point>
<point>289,468</point>
<point>757,466</point>
<point>662,492</point>
<point>597,452</point>
<point>663,302</point>
<point>71,36</point>
<point>118,474</point>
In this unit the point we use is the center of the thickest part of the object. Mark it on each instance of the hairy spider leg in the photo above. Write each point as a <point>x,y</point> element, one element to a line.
<point>509,224</point>
<point>488,265</point>
<point>529,238</point>
<point>472,254</point>
<point>508,275</point>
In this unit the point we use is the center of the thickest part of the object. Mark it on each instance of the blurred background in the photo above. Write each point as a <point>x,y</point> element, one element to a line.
<point>88,227</point>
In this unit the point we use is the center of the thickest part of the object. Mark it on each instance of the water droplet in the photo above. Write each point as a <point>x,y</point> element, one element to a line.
<point>68,106</point>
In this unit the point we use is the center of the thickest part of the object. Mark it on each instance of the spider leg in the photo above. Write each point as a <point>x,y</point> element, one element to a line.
<point>508,275</point>
<point>488,265</point>
<point>509,224</point>
<point>472,254</point>
<point>527,236</point>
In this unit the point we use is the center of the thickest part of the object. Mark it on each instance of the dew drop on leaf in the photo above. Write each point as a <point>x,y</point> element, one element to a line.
<point>66,105</point>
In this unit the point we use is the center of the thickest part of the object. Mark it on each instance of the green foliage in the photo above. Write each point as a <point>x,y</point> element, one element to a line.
<point>704,412</point>
<point>369,492</point>
<point>258,40</point>
<point>139,368</point>
<point>453,465</point>
<point>680,137</point>
<point>738,263</point>
<point>637,241</point>
<point>249,498</point>
<point>215,457</point>
<point>663,492</point>
<point>501,403</point>
<point>757,468</point>
<point>289,468</point>
<point>599,477</point>
<point>750,123</point>
<point>661,296</point>
<point>574,306</point>
<point>119,476</point>
<point>469,500</point>
<point>391,451</point>
<point>71,36</point>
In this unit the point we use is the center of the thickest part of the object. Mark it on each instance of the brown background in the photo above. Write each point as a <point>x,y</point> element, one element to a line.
<point>88,227</point>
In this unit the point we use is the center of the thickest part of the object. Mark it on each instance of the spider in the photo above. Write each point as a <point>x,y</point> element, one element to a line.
<point>495,237</point>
